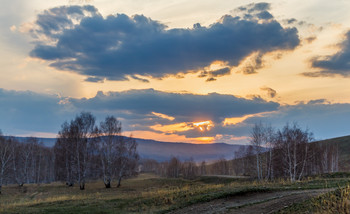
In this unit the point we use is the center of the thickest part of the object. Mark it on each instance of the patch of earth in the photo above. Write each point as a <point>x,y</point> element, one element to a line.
<point>261,203</point>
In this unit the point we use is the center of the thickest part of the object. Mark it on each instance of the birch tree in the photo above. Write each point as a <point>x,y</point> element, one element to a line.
<point>83,132</point>
<point>257,140</point>
<point>110,137</point>
<point>127,158</point>
<point>75,146</point>
<point>5,158</point>
<point>292,141</point>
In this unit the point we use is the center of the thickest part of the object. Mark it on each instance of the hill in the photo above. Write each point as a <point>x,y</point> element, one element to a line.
<point>162,151</point>
<point>344,150</point>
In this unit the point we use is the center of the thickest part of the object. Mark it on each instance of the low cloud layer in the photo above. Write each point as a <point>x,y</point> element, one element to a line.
<point>137,108</point>
<point>25,112</point>
<point>184,107</point>
<point>115,47</point>
<point>337,64</point>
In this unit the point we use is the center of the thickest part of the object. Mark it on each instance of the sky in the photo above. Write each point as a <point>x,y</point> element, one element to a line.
<point>178,71</point>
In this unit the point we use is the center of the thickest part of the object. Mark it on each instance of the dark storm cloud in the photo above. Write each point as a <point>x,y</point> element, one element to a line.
<point>337,64</point>
<point>79,39</point>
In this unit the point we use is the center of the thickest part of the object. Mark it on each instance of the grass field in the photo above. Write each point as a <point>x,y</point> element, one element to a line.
<point>337,201</point>
<point>147,194</point>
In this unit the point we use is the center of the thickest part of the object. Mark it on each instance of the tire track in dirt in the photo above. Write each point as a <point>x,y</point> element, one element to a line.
<point>261,203</point>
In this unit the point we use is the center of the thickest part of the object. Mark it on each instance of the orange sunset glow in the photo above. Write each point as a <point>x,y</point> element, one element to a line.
<point>204,126</point>
<point>180,75</point>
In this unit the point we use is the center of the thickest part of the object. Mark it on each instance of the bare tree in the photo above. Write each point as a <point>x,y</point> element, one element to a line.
<point>269,145</point>
<point>127,158</point>
<point>118,154</point>
<point>174,167</point>
<point>203,168</point>
<point>75,145</point>
<point>329,158</point>
<point>110,138</point>
<point>293,142</point>
<point>189,169</point>
<point>149,165</point>
<point>64,155</point>
<point>17,162</point>
<point>257,140</point>
<point>5,158</point>
<point>239,162</point>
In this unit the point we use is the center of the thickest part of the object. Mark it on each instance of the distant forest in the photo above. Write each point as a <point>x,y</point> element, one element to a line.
<point>289,153</point>
<point>85,151</point>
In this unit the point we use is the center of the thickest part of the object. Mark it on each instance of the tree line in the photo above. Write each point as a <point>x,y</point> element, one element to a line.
<point>288,153</point>
<point>25,162</point>
<point>83,151</point>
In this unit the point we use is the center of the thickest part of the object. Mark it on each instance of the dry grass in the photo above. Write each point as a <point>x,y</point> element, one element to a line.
<point>334,202</point>
<point>146,193</point>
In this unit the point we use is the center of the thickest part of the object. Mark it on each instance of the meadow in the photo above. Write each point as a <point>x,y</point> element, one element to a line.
<point>149,193</point>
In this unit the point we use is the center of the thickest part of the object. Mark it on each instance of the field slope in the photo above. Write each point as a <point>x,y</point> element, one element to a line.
<point>344,150</point>
<point>151,194</point>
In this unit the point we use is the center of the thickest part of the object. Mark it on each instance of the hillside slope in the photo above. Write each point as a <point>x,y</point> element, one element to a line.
<point>162,151</point>
<point>344,150</point>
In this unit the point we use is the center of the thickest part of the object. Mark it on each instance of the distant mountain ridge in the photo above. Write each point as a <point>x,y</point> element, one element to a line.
<point>163,151</point>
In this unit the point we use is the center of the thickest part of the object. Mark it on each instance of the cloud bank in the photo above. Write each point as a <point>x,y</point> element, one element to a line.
<point>25,112</point>
<point>79,39</point>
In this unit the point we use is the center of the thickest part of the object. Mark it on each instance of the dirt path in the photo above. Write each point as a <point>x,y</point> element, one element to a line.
<point>253,203</point>
<point>226,176</point>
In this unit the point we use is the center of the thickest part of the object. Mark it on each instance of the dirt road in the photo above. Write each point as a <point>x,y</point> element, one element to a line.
<point>253,203</point>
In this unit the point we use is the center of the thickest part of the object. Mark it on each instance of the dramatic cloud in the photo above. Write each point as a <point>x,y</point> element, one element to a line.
<point>213,116</point>
<point>184,107</point>
<point>115,47</point>
<point>137,108</point>
<point>338,63</point>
